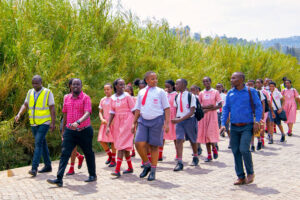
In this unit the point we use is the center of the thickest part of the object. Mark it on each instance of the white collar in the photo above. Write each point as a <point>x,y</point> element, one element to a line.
<point>115,97</point>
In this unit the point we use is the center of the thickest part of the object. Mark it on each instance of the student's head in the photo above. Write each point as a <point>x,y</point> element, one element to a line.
<point>181,85</point>
<point>272,86</point>
<point>266,82</point>
<point>129,89</point>
<point>195,89</point>
<point>140,83</point>
<point>151,79</point>
<point>169,86</point>
<point>70,84</point>
<point>251,83</point>
<point>284,79</point>
<point>259,83</point>
<point>108,89</point>
<point>206,82</point>
<point>219,87</point>
<point>119,86</point>
<point>237,79</point>
<point>76,86</point>
<point>37,82</point>
<point>288,84</point>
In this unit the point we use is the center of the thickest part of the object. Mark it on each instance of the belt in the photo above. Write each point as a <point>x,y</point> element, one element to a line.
<point>78,129</point>
<point>240,124</point>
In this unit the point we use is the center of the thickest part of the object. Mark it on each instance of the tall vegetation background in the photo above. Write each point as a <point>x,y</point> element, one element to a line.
<point>92,41</point>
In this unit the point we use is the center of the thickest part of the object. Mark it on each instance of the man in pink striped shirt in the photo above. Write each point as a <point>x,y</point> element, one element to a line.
<point>78,131</point>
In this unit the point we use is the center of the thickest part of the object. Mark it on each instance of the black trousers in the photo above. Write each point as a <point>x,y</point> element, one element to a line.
<point>84,140</point>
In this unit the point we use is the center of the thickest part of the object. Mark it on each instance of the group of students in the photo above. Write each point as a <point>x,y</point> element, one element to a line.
<point>155,115</point>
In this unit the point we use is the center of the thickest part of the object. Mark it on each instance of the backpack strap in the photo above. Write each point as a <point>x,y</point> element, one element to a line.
<point>189,99</point>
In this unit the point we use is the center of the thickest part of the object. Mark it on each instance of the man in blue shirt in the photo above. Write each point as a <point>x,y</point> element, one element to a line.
<point>241,117</point>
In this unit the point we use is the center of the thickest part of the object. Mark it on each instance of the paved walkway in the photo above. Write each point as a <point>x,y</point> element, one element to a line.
<point>276,169</point>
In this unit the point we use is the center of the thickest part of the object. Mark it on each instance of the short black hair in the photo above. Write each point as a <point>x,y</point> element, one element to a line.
<point>37,77</point>
<point>172,83</point>
<point>185,82</point>
<point>284,78</point>
<point>241,74</point>
<point>288,81</point>
<point>131,89</point>
<point>77,79</point>
<point>251,81</point>
<point>109,84</point>
<point>260,80</point>
<point>148,74</point>
<point>207,78</point>
<point>70,81</point>
<point>272,83</point>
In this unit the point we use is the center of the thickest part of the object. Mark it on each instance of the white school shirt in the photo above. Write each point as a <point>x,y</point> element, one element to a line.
<point>223,97</point>
<point>185,104</point>
<point>276,96</point>
<point>156,103</point>
<point>262,96</point>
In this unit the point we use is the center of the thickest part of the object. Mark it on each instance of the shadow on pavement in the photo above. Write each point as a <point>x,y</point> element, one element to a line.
<point>265,153</point>
<point>261,191</point>
<point>216,163</point>
<point>197,170</point>
<point>88,188</point>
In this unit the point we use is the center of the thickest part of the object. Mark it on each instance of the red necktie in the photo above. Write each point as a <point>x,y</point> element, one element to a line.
<point>145,96</point>
<point>181,107</point>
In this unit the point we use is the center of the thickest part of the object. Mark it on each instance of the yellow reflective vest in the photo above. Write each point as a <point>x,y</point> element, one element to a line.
<point>39,111</point>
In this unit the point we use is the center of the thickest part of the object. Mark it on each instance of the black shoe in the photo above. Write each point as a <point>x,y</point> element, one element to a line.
<point>57,182</point>
<point>271,141</point>
<point>252,148</point>
<point>91,179</point>
<point>160,159</point>
<point>208,160</point>
<point>199,151</point>
<point>178,167</point>
<point>290,134</point>
<point>108,161</point>
<point>128,171</point>
<point>229,146</point>
<point>45,169</point>
<point>142,165</point>
<point>151,176</point>
<point>195,161</point>
<point>145,172</point>
<point>117,174</point>
<point>282,138</point>
<point>259,145</point>
<point>32,172</point>
<point>112,164</point>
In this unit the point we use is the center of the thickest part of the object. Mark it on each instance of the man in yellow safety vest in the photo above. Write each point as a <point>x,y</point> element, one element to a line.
<point>40,104</point>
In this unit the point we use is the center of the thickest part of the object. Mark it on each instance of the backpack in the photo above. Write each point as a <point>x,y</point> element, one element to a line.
<point>267,109</point>
<point>199,114</point>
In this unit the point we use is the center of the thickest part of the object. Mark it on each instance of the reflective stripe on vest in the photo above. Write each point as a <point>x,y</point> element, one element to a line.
<point>39,112</point>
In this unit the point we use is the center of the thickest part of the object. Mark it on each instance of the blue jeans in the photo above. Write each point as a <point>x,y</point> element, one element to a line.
<point>41,148</point>
<point>240,139</point>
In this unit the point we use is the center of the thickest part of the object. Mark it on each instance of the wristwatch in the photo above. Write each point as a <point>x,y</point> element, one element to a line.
<point>78,122</point>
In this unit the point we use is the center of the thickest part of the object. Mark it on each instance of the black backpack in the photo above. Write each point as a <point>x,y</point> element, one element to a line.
<point>199,114</point>
<point>267,109</point>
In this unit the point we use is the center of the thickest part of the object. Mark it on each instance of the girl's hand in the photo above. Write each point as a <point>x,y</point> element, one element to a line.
<point>166,127</point>
<point>103,121</point>
<point>279,111</point>
<point>107,130</point>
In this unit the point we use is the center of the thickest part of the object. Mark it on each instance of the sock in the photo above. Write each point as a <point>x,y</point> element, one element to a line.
<point>72,165</point>
<point>195,155</point>
<point>108,152</point>
<point>252,143</point>
<point>149,156</point>
<point>263,140</point>
<point>118,167</point>
<point>179,160</point>
<point>113,157</point>
<point>147,164</point>
<point>215,151</point>
<point>209,156</point>
<point>71,170</point>
<point>259,139</point>
<point>128,159</point>
<point>153,168</point>
<point>133,151</point>
<point>160,152</point>
<point>78,155</point>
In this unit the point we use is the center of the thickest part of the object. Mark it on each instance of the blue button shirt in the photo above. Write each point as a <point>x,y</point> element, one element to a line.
<point>239,106</point>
